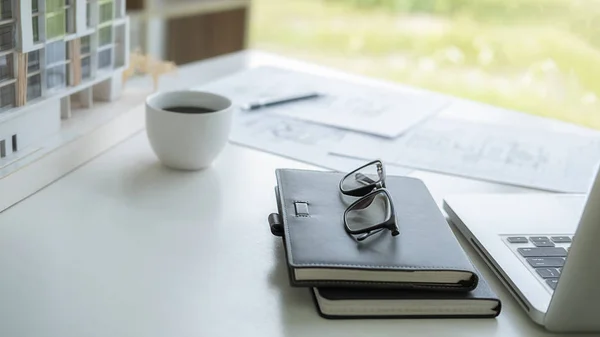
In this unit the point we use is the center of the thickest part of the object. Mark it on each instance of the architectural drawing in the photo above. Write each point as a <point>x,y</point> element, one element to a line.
<point>296,139</point>
<point>546,160</point>
<point>52,53</point>
<point>375,109</point>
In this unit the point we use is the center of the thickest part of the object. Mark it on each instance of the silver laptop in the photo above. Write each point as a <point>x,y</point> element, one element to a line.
<point>544,247</point>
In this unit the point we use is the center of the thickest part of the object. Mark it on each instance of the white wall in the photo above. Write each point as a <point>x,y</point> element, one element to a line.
<point>32,124</point>
<point>137,32</point>
<point>80,17</point>
<point>155,38</point>
<point>120,8</point>
<point>25,28</point>
<point>109,89</point>
<point>122,45</point>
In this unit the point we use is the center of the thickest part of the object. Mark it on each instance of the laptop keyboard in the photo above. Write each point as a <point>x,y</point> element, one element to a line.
<point>543,255</point>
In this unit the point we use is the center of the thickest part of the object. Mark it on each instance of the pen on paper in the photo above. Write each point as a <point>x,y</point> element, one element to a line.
<point>263,103</point>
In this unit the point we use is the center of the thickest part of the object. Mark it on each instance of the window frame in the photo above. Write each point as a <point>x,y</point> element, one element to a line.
<point>51,61</point>
<point>85,49</point>
<point>10,33</point>
<point>56,16</point>
<point>3,88</point>
<point>37,63</point>
<point>10,68</point>
<point>39,85</point>
<point>49,76</point>
<point>103,4</point>
<point>88,75</point>
<point>10,15</point>
<point>105,51</point>
<point>108,28</point>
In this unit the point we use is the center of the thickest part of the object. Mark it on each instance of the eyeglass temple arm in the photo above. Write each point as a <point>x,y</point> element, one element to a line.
<point>368,234</point>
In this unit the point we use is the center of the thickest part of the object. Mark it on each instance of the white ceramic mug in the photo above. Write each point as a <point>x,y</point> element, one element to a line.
<point>188,141</point>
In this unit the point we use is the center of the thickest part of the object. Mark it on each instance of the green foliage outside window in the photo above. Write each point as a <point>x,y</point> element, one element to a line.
<point>535,56</point>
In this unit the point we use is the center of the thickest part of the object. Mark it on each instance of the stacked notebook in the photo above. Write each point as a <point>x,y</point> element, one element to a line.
<point>423,272</point>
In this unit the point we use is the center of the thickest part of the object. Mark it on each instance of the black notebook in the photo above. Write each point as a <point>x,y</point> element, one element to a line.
<point>320,253</point>
<point>394,303</point>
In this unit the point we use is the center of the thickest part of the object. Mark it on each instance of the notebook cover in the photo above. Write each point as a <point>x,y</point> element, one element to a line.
<point>425,243</point>
<point>482,292</point>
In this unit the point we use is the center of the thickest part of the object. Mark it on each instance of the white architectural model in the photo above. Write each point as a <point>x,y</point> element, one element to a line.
<point>53,51</point>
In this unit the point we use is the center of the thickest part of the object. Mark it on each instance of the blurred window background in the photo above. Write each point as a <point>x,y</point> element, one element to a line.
<point>535,56</point>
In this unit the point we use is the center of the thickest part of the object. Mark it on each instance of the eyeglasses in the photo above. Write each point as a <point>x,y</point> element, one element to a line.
<point>374,211</point>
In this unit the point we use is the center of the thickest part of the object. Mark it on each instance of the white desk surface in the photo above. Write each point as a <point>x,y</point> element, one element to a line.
<point>125,247</point>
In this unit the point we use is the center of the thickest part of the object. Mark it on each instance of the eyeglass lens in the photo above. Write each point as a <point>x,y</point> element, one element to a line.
<point>365,176</point>
<point>369,211</point>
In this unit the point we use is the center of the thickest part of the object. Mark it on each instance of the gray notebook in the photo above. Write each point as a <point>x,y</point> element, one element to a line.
<point>321,253</point>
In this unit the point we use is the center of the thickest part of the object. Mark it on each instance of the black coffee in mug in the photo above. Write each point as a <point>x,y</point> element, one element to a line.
<point>189,109</point>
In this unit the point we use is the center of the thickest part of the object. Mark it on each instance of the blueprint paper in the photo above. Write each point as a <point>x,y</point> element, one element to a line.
<point>296,139</point>
<point>374,110</point>
<point>525,157</point>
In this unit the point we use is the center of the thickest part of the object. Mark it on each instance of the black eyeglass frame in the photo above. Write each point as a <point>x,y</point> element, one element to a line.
<point>369,192</point>
<point>362,191</point>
